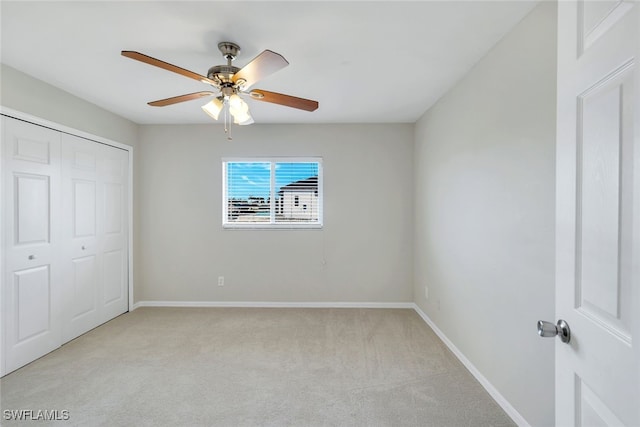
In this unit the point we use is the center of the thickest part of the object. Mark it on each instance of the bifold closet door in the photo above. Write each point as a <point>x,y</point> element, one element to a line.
<point>113,227</point>
<point>80,207</point>
<point>94,237</point>
<point>31,291</point>
<point>65,238</point>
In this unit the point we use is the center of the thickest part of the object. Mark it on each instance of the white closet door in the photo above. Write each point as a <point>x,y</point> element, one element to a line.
<point>81,203</point>
<point>95,198</point>
<point>65,239</point>
<point>113,170</point>
<point>32,277</point>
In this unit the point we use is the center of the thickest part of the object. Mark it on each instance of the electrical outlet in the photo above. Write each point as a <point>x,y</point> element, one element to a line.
<point>220,280</point>
<point>426,292</point>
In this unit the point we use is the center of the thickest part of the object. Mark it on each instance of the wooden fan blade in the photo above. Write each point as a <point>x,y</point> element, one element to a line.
<point>181,98</point>
<point>286,100</point>
<point>166,66</point>
<point>261,66</point>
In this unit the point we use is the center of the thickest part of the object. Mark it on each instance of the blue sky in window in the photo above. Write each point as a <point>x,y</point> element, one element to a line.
<point>251,179</point>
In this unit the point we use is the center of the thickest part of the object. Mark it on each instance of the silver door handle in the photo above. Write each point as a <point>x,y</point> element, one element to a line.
<point>561,329</point>
<point>83,248</point>
<point>32,257</point>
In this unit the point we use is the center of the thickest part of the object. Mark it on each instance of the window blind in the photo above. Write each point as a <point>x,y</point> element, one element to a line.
<point>278,193</point>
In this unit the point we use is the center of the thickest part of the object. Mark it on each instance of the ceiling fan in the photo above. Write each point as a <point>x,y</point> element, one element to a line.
<point>229,83</point>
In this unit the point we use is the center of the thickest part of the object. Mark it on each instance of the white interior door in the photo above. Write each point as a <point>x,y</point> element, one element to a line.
<point>80,203</point>
<point>31,290</point>
<point>598,214</point>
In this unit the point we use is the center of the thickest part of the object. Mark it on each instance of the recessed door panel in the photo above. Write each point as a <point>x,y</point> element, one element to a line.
<point>84,159</point>
<point>32,290</point>
<point>84,285</point>
<point>84,208</point>
<point>32,207</point>
<point>591,410</point>
<point>113,214</point>
<point>598,17</point>
<point>113,163</point>
<point>595,12</point>
<point>31,150</point>
<point>603,287</point>
<point>114,277</point>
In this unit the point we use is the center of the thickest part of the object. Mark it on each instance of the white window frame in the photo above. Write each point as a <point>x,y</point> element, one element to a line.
<point>272,224</point>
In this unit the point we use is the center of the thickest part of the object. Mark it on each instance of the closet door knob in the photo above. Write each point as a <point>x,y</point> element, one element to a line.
<point>83,248</point>
<point>32,257</point>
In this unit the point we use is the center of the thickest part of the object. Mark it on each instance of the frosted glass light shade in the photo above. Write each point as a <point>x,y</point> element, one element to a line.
<point>213,108</point>
<point>243,119</point>
<point>237,106</point>
<point>236,103</point>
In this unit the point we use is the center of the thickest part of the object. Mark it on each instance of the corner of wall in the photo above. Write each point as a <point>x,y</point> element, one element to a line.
<point>484,168</point>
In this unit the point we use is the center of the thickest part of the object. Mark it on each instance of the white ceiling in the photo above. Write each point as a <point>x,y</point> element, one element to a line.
<point>364,61</point>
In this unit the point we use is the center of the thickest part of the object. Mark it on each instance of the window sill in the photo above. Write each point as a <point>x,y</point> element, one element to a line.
<point>272,226</point>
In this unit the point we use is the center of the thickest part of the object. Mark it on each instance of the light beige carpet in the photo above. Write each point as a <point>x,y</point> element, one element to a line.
<point>255,367</point>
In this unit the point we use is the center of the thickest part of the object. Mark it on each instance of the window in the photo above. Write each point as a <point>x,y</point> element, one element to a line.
<point>272,193</point>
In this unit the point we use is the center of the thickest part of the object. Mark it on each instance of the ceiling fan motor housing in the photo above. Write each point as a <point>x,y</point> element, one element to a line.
<point>222,73</point>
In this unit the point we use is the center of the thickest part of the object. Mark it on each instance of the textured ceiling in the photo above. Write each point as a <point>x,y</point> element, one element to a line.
<point>380,61</point>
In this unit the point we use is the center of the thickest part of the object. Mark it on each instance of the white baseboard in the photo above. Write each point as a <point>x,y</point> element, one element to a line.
<point>268,304</point>
<point>499,398</point>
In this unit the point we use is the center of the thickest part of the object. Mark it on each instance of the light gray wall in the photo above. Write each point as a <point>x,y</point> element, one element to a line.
<point>366,243</point>
<point>484,217</point>
<point>24,93</point>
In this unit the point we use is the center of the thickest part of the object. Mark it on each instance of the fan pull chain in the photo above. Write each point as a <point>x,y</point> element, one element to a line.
<point>227,124</point>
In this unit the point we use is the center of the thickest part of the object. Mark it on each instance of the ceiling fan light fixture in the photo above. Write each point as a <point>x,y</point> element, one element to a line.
<point>243,120</point>
<point>213,108</point>
<point>239,110</point>
<point>237,103</point>
<point>241,117</point>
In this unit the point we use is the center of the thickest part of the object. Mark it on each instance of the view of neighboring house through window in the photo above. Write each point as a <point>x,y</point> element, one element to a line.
<point>272,192</point>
